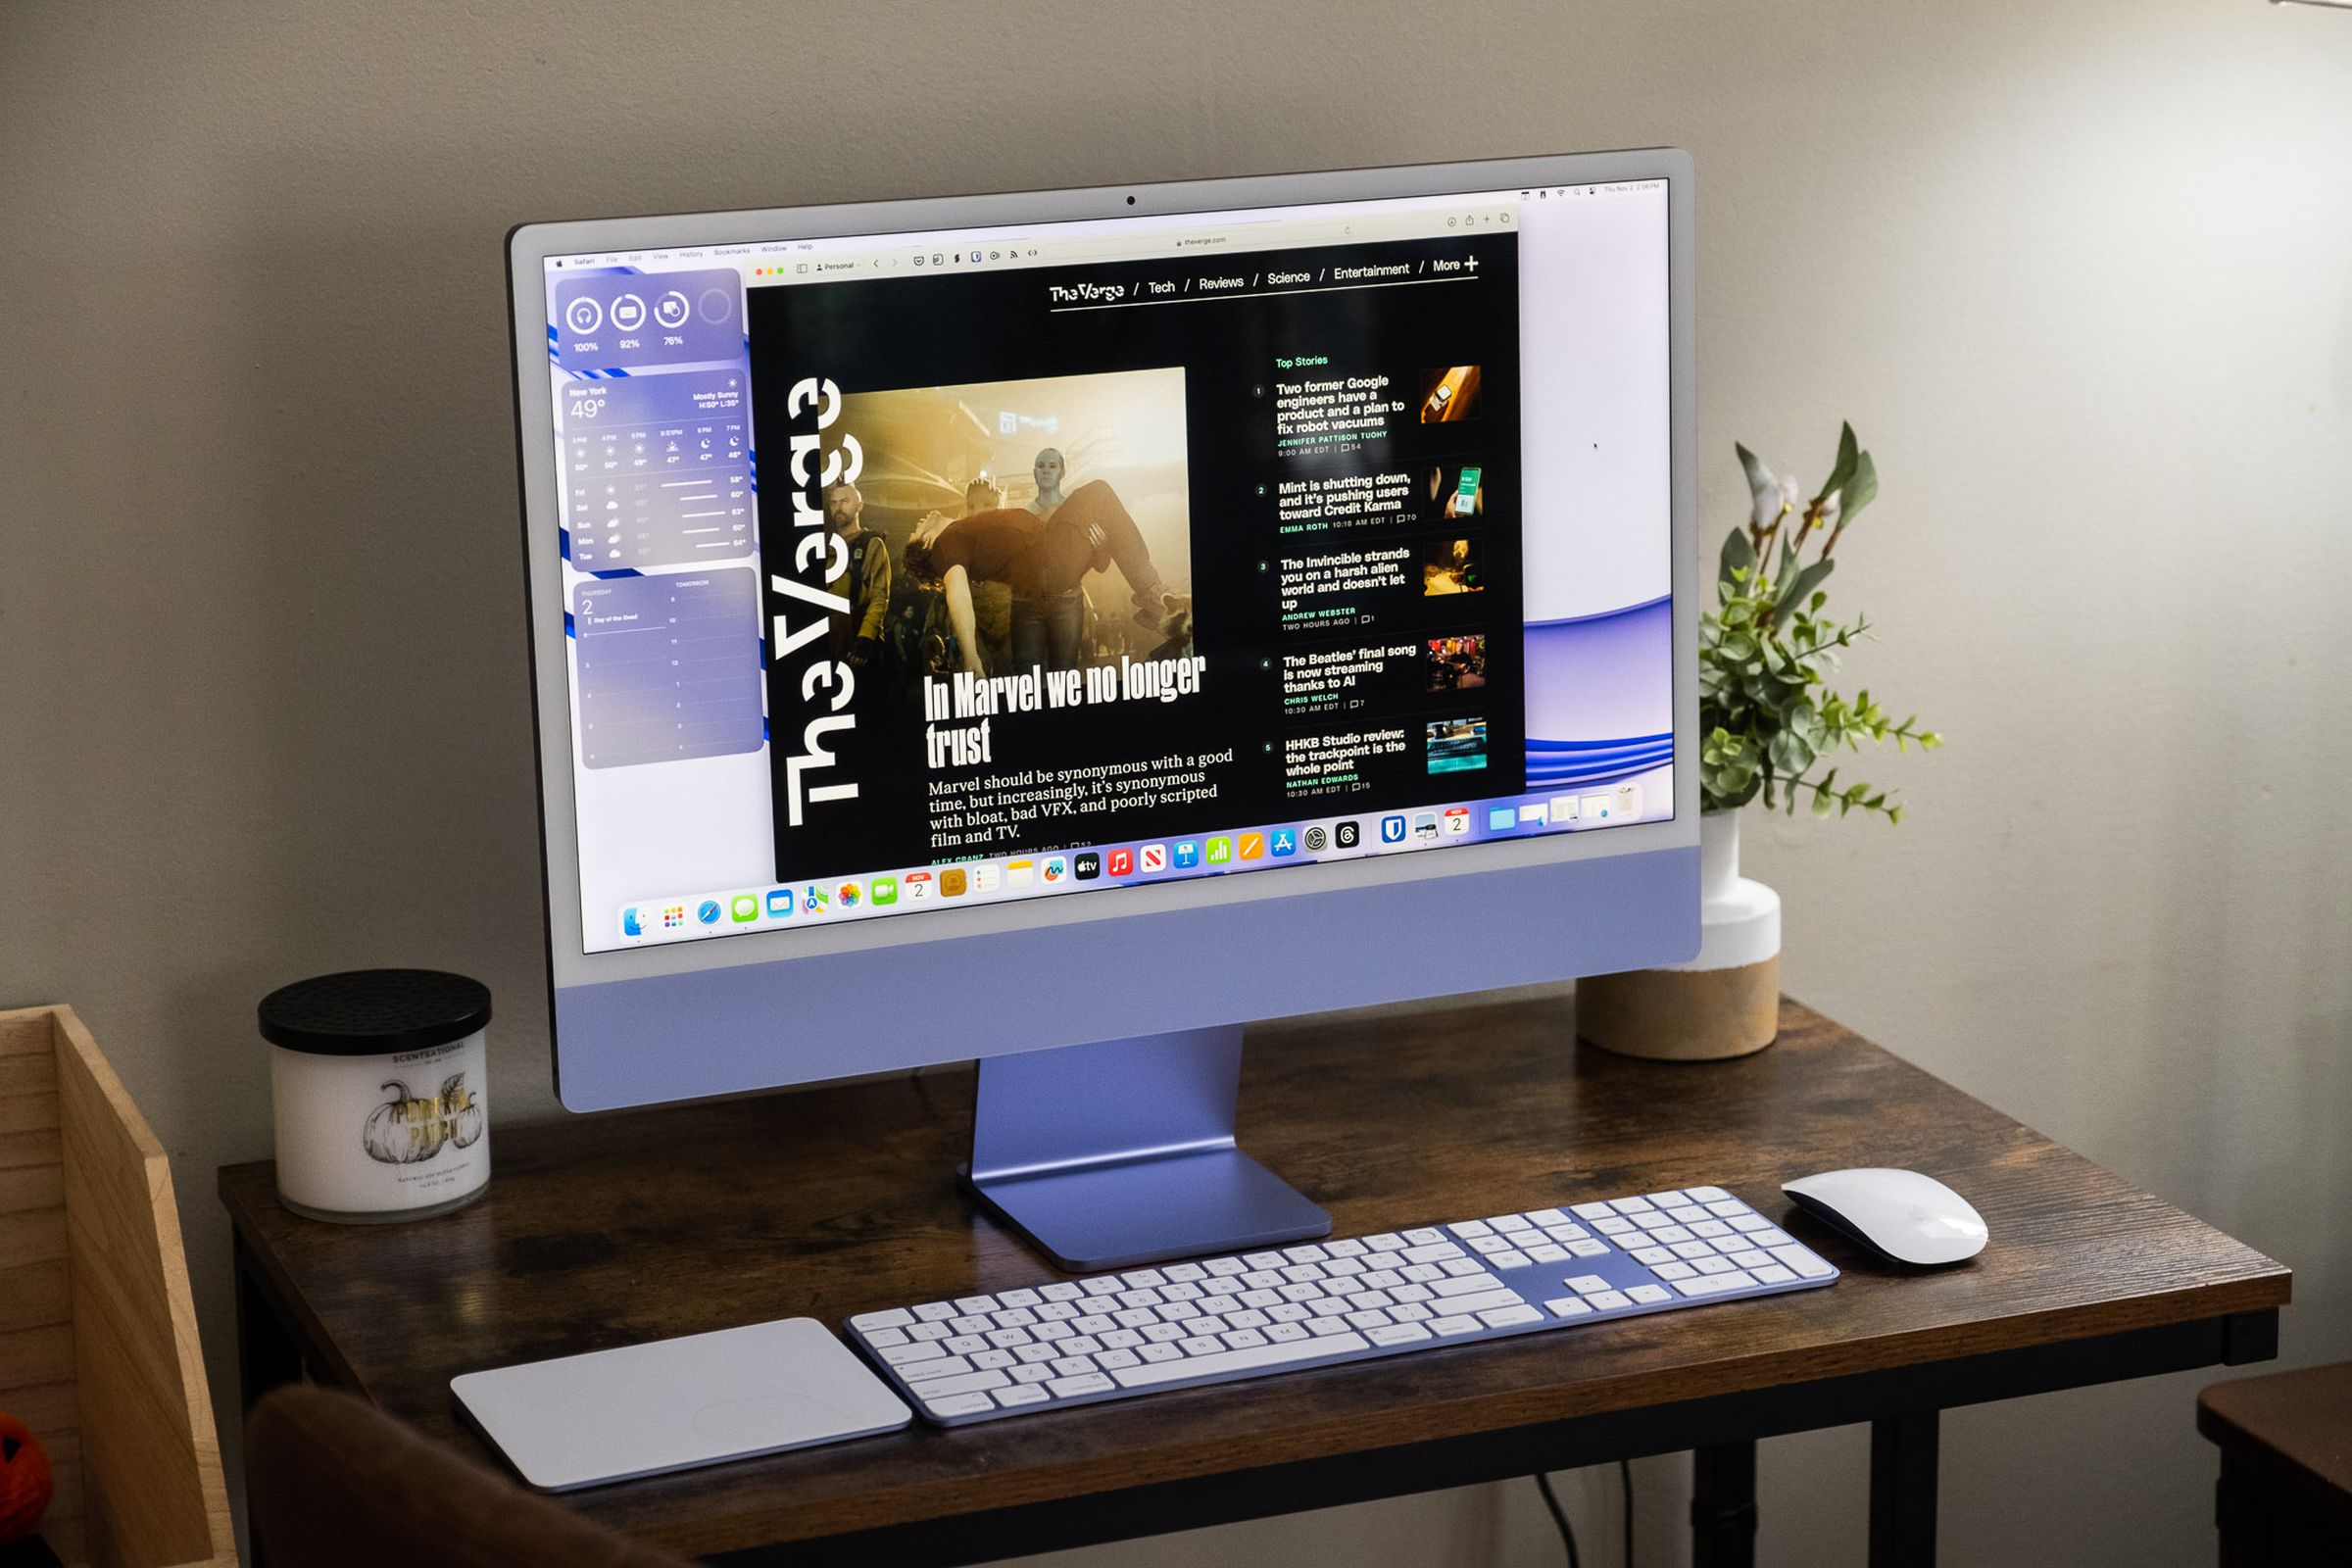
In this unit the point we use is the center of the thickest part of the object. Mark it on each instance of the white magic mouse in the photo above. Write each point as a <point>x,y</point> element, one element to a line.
<point>1898,1214</point>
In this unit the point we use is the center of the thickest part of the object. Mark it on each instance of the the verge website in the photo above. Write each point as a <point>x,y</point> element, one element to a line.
<point>927,572</point>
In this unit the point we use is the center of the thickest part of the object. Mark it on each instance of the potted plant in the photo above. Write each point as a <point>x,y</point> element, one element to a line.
<point>1771,730</point>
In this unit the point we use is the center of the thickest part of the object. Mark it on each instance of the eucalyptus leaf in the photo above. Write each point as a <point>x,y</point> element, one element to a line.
<point>1738,553</point>
<point>1859,491</point>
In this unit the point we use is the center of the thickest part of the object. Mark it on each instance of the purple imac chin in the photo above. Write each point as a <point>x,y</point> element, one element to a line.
<point>1109,1050</point>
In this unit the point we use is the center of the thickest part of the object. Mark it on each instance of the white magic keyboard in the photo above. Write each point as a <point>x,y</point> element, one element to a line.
<point>1221,1319</point>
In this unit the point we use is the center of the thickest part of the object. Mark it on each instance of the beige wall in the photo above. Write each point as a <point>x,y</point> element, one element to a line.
<point>2081,274</point>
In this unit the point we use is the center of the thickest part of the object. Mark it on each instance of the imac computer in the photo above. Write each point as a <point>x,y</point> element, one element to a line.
<point>1056,628</point>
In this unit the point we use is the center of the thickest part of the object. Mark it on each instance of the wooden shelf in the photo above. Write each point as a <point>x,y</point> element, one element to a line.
<point>98,1347</point>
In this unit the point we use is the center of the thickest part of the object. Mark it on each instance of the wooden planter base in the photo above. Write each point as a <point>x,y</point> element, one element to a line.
<point>1682,1015</point>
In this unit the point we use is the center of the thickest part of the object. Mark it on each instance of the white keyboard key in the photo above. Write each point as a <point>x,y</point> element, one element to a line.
<point>1020,1393</point>
<point>1567,1306</point>
<point>884,1339</point>
<point>1155,1353</point>
<point>1144,1279</point>
<point>1087,1383</point>
<point>1773,1274</point>
<point>1546,1253</point>
<point>1112,1360</point>
<point>1225,1268</point>
<point>1507,1223</point>
<point>1018,1297</point>
<point>1329,1328</point>
<point>1186,1273</point>
<point>1749,1222</point>
<point>1488,1245</point>
<point>1468,1228</point>
<point>1585,1284</point>
<point>974,1305</point>
<point>963,1383</point>
<point>1734,1243</point>
<point>1514,1258</point>
<point>938,1311</point>
<point>1662,1199</point>
<point>960,1404</point>
<point>917,1351</point>
<point>928,1331</point>
<point>895,1318</point>
<point>971,1324</point>
<point>1073,1367</point>
<point>964,1343</point>
<point>1031,1374</point>
<point>1727,1207</point>
<point>1629,1206</point>
<point>1263,1259</point>
<point>1592,1210</point>
<point>1608,1301</point>
<point>945,1367</point>
<point>1613,1225</point>
<point>1668,1234</point>
<point>1803,1261</point>
<point>1370,1319</point>
<point>1715,1265</point>
<point>1714,1283</point>
<point>1653,1255</point>
<point>1467,1285</point>
<point>1058,1291</point>
<point>1237,1340</point>
<point>1346,1246</point>
<point>1286,1332</point>
<point>1547,1217</point>
<point>1705,1194</point>
<point>1653,1221</point>
<point>1434,1253</point>
<point>1390,1242</point>
<point>1589,1249</point>
<point>1675,1271</point>
<point>1649,1295</point>
<point>1564,1234</point>
<point>1014,1317</point>
<point>1057,1311</point>
<point>1770,1237</point>
<point>1111,1285</point>
<point>992,1358</point>
<point>1711,1228</point>
<point>1480,1304</point>
<point>1685,1214</point>
<point>1751,1259</point>
<point>1231,1361</point>
<point>1309,1254</point>
<point>1450,1325</point>
<point>1503,1317</point>
<point>1692,1249</point>
<point>1033,1354</point>
<point>1398,1333</point>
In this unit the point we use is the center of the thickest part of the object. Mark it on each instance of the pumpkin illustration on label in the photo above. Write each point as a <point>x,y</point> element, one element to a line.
<point>463,1111</point>
<point>404,1130</point>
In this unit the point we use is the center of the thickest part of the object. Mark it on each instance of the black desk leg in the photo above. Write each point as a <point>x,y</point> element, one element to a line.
<point>1902,1490</point>
<point>268,1353</point>
<point>1722,1506</point>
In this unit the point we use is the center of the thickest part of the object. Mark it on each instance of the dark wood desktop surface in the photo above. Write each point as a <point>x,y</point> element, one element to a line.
<point>607,1230</point>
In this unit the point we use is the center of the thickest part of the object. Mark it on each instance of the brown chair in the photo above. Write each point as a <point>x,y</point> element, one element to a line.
<point>335,1483</point>
<point>2285,1493</point>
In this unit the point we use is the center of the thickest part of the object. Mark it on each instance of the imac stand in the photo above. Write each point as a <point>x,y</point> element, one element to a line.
<point>1121,1152</point>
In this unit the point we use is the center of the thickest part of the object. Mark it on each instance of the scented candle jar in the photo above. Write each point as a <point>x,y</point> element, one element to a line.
<point>377,1079</point>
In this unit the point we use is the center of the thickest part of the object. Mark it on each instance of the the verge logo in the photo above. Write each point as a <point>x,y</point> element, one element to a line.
<point>818,561</point>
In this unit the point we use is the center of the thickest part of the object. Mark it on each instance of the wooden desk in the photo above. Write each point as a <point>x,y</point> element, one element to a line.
<point>609,1230</point>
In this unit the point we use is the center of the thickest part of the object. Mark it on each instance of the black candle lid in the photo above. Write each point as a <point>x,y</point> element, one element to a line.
<point>374,1012</point>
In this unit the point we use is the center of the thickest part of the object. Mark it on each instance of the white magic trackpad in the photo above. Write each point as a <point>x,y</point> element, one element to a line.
<point>610,1416</point>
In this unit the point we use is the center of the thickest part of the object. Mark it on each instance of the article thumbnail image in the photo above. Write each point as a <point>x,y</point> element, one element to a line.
<point>1041,522</point>
<point>1458,663</point>
<point>1457,490</point>
<point>1452,567</point>
<point>1456,745</point>
<point>1450,394</point>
